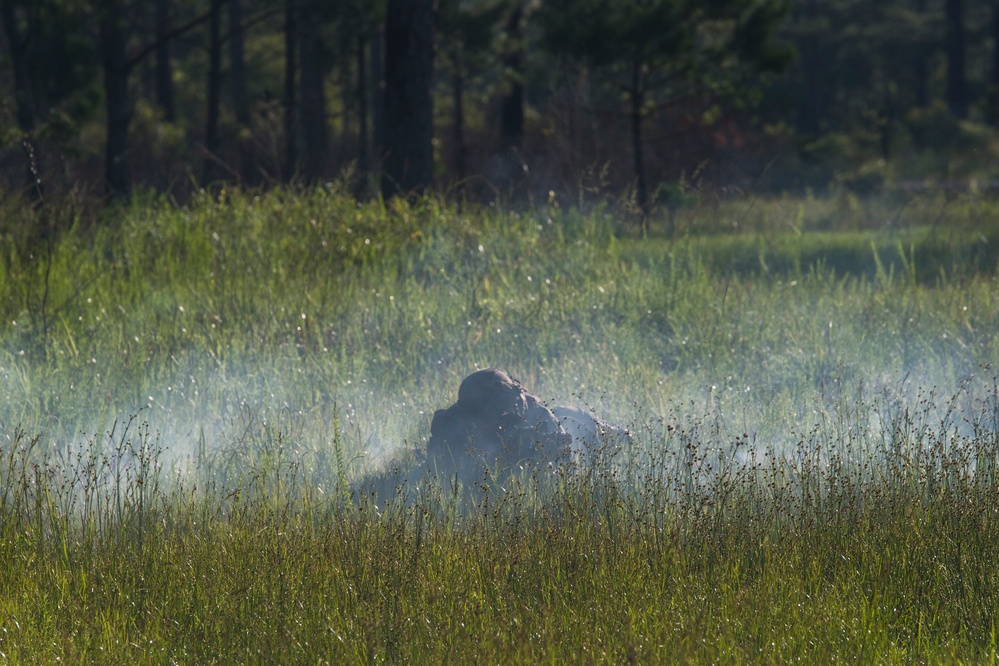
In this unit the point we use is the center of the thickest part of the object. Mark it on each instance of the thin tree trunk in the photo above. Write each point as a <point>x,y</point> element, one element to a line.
<point>164,70</point>
<point>888,118</point>
<point>240,96</point>
<point>378,95</point>
<point>363,158</point>
<point>810,109</point>
<point>409,70</point>
<point>290,111</point>
<point>920,68</point>
<point>458,99</point>
<point>956,93</point>
<point>314,128</point>
<point>995,43</point>
<point>512,103</point>
<point>637,101</point>
<point>116,68</point>
<point>810,113</point>
<point>214,90</point>
<point>347,88</point>
<point>921,73</point>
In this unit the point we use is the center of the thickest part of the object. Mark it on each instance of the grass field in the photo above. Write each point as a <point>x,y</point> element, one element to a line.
<point>192,398</point>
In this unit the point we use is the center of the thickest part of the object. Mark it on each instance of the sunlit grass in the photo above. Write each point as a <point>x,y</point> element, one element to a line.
<point>856,544</point>
<point>191,398</point>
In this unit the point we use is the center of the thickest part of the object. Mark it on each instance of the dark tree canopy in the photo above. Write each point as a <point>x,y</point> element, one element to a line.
<point>621,99</point>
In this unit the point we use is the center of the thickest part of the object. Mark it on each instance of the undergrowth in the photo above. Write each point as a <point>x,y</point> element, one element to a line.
<point>198,402</point>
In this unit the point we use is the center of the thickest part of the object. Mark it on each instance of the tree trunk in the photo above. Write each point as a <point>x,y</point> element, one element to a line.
<point>363,159</point>
<point>164,70</point>
<point>25,107</point>
<point>214,89</point>
<point>637,101</point>
<point>512,103</point>
<point>995,43</point>
<point>956,94</point>
<point>17,46</point>
<point>458,100</point>
<point>290,111</point>
<point>116,68</point>
<point>922,75</point>
<point>315,131</point>
<point>810,109</point>
<point>347,88</point>
<point>378,96</point>
<point>409,70</point>
<point>887,119</point>
<point>920,68</point>
<point>240,96</point>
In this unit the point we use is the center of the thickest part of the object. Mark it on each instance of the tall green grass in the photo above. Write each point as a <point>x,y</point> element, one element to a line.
<point>863,544</point>
<point>195,402</point>
<point>287,304</point>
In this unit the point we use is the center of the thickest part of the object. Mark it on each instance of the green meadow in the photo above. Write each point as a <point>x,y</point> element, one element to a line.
<point>212,415</point>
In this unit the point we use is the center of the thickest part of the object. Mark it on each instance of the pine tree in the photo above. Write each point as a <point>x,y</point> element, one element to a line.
<point>409,73</point>
<point>650,47</point>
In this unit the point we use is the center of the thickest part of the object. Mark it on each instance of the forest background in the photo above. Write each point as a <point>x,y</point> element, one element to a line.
<point>646,104</point>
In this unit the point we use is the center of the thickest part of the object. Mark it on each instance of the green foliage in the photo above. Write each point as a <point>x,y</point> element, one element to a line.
<point>675,196</point>
<point>755,39</point>
<point>934,128</point>
<point>868,179</point>
<point>666,36</point>
<point>63,59</point>
<point>663,51</point>
<point>870,74</point>
<point>467,32</point>
<point>602,32</point>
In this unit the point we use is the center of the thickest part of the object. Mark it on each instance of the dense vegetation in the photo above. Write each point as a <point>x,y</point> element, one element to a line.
<point>632,102</point>
<point>193,397</point>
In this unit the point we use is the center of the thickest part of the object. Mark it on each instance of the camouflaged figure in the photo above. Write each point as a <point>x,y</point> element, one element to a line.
<point>495,425</point>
